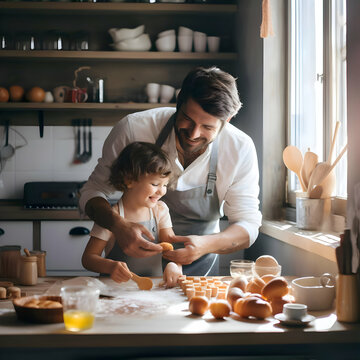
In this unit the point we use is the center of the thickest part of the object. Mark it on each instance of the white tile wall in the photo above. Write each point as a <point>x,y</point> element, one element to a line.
<point>45,159</point>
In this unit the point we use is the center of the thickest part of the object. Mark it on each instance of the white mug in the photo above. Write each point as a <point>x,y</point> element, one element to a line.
<point>185,43</point>
<point>200,42</point>
<point>213,43</point>
<point>294,311</point>
<point>153,92</point>
<point>317,293</point>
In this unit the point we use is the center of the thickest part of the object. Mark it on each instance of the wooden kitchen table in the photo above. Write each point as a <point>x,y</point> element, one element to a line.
<point>155,324</point>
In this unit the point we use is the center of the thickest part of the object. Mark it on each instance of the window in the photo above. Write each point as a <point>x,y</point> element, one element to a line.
<point>317,63</point>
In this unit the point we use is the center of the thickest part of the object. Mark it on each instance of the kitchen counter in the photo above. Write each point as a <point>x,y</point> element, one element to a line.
<point>156,323</point>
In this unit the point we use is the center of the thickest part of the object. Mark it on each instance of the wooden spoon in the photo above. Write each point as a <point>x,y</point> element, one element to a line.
<point>144,283</point>
<point>322,170</point>
<point>332,146</point>
<point>316,192</point>
<point>27,252</point>
<point>293,160</point>
<point>309,163</point>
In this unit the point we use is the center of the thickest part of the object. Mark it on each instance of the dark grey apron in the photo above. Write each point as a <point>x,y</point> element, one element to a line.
<point>195,211</point>
<point>150,266</point>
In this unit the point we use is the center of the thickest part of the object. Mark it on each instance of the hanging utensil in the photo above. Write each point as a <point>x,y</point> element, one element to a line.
<point>76,124</point>
<point>7,151</point>
<point>84,155</point>
<point>89,139</point>
<point>293,160</point>
<point>309,163</point>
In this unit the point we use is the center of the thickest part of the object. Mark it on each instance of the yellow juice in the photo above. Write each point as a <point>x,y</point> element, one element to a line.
<point>77,320</point>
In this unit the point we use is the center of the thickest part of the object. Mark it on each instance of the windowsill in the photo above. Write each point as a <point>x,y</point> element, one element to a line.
<point>316,242</point>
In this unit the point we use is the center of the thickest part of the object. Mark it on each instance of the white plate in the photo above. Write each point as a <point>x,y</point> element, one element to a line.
<point>285,321</point>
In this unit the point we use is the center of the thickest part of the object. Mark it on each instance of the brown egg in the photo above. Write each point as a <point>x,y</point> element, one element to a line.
<point>220,309</point>
<point>255,285</point>
<point>16,93</point>
<point>234,294</point>
<point>4,95</point>
<point>198,305</point>
<point>277,287</point>
<point>278,303</point>
<point>239,282</point>
<point>35,94</point>
<point>166,246</point>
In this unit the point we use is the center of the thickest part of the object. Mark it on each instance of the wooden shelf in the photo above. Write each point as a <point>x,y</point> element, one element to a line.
<point>85,8</point>
<point>130,106</point>
<point>61,55</point>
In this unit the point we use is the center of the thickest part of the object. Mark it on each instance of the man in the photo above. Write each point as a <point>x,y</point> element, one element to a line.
<point>216,173</point>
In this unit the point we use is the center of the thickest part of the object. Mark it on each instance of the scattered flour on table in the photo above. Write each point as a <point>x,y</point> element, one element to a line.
<point>126,299</point>
<point>140,302</point>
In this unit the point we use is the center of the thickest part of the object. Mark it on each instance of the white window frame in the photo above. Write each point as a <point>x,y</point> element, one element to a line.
<point>334,99</point>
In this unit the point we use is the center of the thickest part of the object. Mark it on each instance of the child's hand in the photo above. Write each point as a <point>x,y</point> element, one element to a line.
<point>120,272</point>
<point>171,274</point>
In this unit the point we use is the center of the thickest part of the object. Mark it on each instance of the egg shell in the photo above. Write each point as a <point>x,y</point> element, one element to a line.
<point>266,260</point>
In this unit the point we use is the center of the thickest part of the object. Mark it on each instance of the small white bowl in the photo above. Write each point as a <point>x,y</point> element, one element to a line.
<point>125,33</point>
<point>166,43</point>
<point>140,43</point>
<point>166,33</point>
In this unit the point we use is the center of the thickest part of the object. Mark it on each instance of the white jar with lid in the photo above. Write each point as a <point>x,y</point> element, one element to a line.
<point>28,270</point>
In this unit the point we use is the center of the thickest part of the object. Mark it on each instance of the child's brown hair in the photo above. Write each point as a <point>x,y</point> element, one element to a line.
<point>137,159</point>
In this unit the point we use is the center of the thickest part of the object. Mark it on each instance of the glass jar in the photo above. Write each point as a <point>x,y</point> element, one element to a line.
<point>9,261</point>
<point>28,270</point>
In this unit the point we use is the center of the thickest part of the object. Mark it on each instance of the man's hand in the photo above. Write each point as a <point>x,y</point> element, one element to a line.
<point>193,250</point>
<point>130,237</point>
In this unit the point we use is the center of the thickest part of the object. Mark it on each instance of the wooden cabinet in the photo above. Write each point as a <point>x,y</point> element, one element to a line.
<point>64,243</point>
<point>125,73</point>
<point>17,233</point>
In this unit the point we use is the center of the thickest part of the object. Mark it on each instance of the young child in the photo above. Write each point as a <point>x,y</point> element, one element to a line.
<point>141,172</point>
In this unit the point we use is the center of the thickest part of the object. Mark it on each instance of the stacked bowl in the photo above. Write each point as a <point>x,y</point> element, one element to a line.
<point>166,40</point>
<point>125,39</point>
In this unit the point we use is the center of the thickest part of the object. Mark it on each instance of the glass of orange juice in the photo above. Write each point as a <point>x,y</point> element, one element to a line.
<point>79,304</point>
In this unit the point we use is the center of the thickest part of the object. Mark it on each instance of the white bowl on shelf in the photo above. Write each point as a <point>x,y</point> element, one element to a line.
<point>166,43</point>
<point>166,33</point>
<point>140,43</point>
<point>125,33</point>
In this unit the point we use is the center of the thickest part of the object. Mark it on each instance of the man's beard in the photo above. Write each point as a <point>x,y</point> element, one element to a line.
<point>182,135</point>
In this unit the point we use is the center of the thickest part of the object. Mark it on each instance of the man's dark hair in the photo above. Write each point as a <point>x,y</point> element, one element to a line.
<point>137,159</point>
<point>213,89</point>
